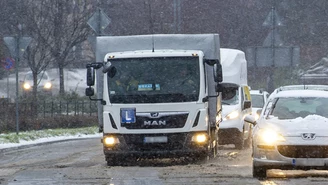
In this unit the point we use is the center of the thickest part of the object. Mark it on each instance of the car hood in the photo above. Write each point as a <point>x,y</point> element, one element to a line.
<point>41,83</point>
<point>226,109</point>
<point>295,127</point>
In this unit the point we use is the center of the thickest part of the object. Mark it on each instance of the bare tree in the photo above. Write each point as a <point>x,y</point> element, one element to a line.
<point>70,28</point>
<point>37,55</point>
<point>65,27</point>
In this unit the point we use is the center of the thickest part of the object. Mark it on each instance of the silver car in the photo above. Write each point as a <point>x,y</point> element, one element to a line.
<point>292,131</point>
<point>44,83</point>
<point>259,97</point>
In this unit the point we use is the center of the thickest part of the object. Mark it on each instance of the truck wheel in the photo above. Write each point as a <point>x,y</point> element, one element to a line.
<point>239,143</point>
<point>114,160</point>
<point>199,158</point>
<point>259,172</point>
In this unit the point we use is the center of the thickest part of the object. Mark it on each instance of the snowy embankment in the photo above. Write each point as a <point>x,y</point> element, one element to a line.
<point>9,140</point>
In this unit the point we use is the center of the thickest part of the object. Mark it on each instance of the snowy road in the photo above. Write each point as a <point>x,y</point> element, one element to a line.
<point>82,162</point>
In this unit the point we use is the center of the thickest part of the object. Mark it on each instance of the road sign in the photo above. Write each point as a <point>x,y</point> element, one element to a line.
<point>99,21</point>
<point>284,56</point>
<point>13,42</point>
<point>8,63</point>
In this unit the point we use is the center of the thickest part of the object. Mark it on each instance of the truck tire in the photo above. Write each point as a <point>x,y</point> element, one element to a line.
<point>114,160</point>
<point>199,158</point>
<point>259,172</point>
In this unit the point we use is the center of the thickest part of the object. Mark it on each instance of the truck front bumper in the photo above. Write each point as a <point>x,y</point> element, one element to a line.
<point>157,145</point>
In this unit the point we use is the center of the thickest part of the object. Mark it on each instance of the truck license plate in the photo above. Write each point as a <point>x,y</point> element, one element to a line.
<point>159,139</point>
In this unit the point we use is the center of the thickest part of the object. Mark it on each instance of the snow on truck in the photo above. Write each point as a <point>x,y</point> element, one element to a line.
<point>236,99</point>
<point>158,95</point>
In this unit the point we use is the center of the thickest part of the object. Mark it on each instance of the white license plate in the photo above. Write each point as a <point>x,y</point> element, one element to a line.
<point>159,139</point>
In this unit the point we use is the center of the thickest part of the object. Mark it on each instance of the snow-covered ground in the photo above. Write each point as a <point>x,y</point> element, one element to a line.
<point>36,137</point>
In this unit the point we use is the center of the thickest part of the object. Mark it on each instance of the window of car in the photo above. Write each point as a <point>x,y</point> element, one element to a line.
<point>294,107</point>
<point>257,100</point>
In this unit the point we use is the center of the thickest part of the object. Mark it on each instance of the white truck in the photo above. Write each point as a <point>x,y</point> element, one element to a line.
<point>159,95</point>
<point>236,99</point>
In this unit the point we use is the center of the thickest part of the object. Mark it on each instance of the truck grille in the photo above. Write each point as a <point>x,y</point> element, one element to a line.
<point>303,151</point>
<point>171,121</point>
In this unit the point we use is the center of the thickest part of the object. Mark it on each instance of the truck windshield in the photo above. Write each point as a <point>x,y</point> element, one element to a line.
<point>155,80</point>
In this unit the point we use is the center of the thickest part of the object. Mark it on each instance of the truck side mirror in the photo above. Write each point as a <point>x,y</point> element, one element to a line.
<point>218,72</point>
<point>90,76</point>
<point>219,88</point>
<point>109,69</point>
<point>89,91</point>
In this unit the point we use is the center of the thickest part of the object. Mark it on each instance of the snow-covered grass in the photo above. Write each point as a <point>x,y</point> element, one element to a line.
<point>40,136</point>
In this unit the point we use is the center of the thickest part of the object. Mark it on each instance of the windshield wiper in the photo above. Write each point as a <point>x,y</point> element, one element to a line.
<point>224,103</point>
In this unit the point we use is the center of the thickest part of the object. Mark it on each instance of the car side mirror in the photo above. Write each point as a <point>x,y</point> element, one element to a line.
<point>250,119</point>
<point>247,104</point>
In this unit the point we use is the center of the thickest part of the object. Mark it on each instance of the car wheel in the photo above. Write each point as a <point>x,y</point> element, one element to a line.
<point>259,172</point>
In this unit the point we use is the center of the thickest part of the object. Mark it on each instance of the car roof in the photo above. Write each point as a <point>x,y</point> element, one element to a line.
<point>301,91</point>
<point>259,92</point>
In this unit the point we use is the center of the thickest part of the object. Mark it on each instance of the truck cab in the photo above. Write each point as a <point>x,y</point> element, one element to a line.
<point>159,95</point>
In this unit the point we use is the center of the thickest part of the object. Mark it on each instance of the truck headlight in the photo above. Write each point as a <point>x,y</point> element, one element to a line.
<point>199,138</point>
<point>47,85</point>
<point>110,140</point>
<point>26,86</point>
<point>270,137</point>
<point>232,115</point>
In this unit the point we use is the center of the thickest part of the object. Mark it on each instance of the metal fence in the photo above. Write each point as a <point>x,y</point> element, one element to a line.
<point>48,114</point>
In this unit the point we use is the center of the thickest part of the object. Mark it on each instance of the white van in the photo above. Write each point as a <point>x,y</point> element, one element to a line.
<point>236,100</point>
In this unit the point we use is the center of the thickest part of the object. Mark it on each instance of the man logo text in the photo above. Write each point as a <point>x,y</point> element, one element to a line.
<point>154,122</point>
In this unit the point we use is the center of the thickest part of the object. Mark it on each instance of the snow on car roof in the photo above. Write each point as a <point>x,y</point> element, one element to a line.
<point>302,93</point>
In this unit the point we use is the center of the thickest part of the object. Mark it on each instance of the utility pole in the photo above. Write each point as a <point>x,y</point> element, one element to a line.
<point>177,15</point>
<point>270,80</point>
<point>17,46</point>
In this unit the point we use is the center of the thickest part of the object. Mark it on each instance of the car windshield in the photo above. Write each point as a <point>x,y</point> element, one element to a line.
<point>294,107</point>
<point>257,100</point>
<point>230,96</point>
<point>42,76</point>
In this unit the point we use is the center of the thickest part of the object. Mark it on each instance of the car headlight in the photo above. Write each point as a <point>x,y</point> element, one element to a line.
<point>270,137</point>
<point>26,86</point>
<point>47,85</point>
<point>232,115</point>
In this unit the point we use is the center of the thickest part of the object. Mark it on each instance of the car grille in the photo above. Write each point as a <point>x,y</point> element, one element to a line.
<point>303,151</point>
